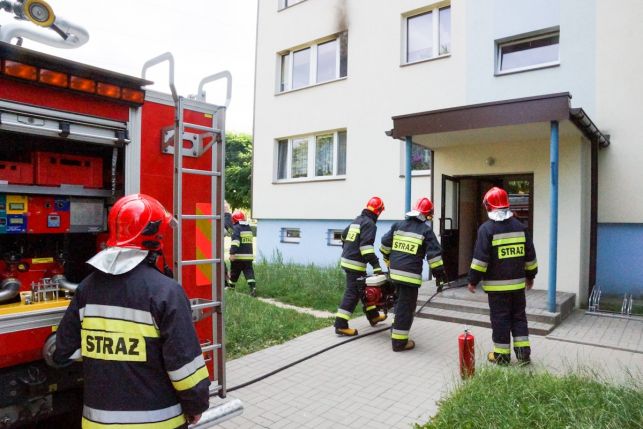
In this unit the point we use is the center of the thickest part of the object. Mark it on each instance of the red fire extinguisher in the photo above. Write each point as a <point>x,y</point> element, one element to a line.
<point>467,354</point>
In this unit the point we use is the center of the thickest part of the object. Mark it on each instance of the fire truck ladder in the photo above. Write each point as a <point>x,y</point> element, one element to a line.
<point>216,146</point>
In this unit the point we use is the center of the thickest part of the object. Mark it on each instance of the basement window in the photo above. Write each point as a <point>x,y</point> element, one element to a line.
<point>528,52</point>
<point>335,237</point>
<point>290,235</point>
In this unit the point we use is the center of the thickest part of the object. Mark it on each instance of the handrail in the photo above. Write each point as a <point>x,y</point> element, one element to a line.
<point>167,56</point>
<point>213,78</point>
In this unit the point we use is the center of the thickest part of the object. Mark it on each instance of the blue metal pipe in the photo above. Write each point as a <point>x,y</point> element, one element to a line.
<point>407,175</point>
<point>553,216</point>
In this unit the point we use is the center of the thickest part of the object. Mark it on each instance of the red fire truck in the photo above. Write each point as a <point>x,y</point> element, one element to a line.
<point>73,139</point>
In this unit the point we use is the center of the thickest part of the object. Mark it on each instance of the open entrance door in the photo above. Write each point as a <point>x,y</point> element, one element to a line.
<point>462,213</point>
<point>449,225</point>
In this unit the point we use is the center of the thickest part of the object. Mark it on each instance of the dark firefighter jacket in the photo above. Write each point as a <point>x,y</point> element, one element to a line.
<point>503,257</point>
<point>241,245</point>
<point>406,245</point>
<point>358,239</point>
<point>142,361</point>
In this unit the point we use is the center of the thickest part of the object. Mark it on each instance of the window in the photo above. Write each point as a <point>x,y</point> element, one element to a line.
<point>427,35</point>
<point>317,63</point>
<point>315,156</point>
<point>334,237</point>
<point>290,235</point>
<point>420,159</point>
<point>527,53</point>
<point>287,3</point>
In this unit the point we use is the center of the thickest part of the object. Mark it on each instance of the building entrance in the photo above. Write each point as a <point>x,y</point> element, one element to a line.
<point>462,213</point>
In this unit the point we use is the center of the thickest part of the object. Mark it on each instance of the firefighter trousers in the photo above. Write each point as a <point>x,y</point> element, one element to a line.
<point>508,317</point>
<point>350,299</point>
<point>237,267</point>
<point>407,297</point>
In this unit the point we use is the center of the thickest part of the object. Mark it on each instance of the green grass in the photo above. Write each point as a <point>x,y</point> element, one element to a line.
<point>504,398</point>
<point>252,325</point>
<point>309,286</point>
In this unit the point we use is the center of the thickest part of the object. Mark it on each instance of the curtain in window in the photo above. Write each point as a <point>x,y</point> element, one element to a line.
<point>299,166</point>
<point>282,159</point>
<point>324,155</point>
<point>420,157</point>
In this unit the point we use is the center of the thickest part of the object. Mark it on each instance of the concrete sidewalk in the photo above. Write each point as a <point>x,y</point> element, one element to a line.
<point>363,384</point>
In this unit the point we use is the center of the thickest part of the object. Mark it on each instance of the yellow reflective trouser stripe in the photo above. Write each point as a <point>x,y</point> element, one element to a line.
<point>353,267</point>
<point>113,325</point>
<point>400,336</point>
<point>367,251</point>
<point>172,423</point>
<point>406,279</point>
<point>501,351</point>
<point>192,380</point>
<point>502,288</point>
<point>478,268</point>
<point>512,240</point>
<point>343,314</point>
<point>235,243</point>
<point>437,264</point>
<point>521,344</point>
<point>242,257</point>
<point>371,307</point>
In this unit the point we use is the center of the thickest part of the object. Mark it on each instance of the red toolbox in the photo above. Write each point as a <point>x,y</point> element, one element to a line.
<point>55,169</point>
<point>19,173</point>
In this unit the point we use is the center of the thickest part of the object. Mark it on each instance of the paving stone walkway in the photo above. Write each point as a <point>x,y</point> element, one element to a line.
<point>363,384</point>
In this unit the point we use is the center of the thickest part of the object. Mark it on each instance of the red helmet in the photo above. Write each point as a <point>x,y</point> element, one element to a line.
<point>238,216</point>
<point>138,221</point>
<point>376,205</point>
<point>424,206</point>
<point>495,198</point>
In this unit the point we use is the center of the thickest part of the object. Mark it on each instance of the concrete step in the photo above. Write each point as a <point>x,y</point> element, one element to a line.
<point>477,319</point>
<point>479,307</point>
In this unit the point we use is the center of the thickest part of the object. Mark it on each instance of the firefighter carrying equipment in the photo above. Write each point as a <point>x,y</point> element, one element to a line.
<point>135,328</point>
<point>241,246</point>
<point>405,245</point>
<point>358,240</point>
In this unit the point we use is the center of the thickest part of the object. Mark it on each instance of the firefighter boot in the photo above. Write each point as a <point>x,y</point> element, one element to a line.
<point>499,358</point>
<point>401,346</point>
<point>377,319</point>
<point>346,332</point>
<point>253,288</point>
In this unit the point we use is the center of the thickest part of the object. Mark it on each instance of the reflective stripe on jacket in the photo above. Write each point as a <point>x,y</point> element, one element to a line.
<point>406,244</point>
<point>504,256</point>
<point>358,240</point>
<point>142,360</point>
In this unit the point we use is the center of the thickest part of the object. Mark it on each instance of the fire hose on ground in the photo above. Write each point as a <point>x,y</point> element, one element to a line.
<point>441,289</point>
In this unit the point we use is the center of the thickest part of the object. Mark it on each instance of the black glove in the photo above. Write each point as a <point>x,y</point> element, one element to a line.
<point>440,277</point>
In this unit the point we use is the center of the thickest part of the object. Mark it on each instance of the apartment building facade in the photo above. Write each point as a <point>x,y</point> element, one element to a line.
<point>469,94</point>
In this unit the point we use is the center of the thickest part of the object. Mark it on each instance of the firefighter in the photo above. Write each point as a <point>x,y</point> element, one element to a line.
<point>241,253</point>
<point>504,260</point>
<point>132,326</point>
<point>358,251</point>
<point>227,228</point>
<point>404,247</point>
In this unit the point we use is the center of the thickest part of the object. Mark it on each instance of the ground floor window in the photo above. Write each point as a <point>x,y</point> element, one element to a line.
<point>313,156</point>
<point>290,235</point>
<point>335,237</point>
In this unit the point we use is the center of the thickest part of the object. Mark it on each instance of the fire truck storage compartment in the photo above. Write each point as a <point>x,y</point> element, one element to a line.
<point>55,169</point>
<point>18,173</point>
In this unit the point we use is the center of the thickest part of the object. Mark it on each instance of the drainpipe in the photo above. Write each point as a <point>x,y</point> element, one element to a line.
<point>407,175</point>
<point>553,216</point>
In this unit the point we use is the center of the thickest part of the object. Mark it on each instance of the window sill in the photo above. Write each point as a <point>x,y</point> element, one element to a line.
<point>439,57</point>
<point>419,173</point>
<point>311,86</point>
<point>309,179</point>
<point>526,69</point>
<point>291,6</point>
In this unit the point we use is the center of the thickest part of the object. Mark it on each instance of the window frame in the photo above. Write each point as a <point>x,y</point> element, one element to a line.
<point>523,38</point>
<point>283,4</point>
<point>331,240</point>
<point>311,157</point>
<point>284,235</point>
<point>435,16</point>
<point>425,172</point>
<point>286,85</point>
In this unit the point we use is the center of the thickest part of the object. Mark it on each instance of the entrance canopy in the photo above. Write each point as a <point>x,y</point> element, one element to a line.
<point>479,122</point>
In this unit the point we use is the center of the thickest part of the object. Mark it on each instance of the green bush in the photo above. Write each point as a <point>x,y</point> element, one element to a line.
<point>507,398</point>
